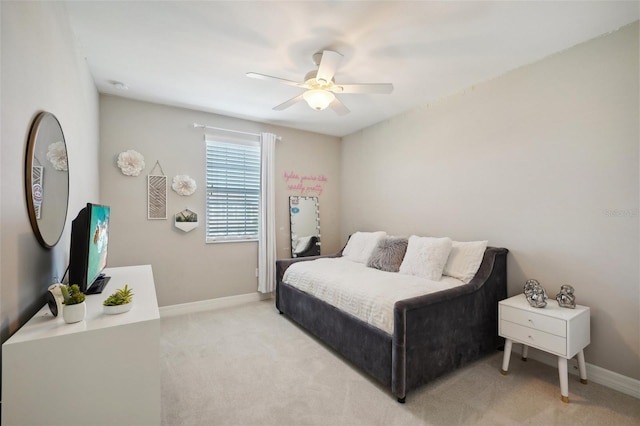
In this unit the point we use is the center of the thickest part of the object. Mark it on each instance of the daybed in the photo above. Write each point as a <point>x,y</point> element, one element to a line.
<point>431,334</point>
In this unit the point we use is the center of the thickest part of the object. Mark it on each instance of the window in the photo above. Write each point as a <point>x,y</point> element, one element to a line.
<point>233,191</point>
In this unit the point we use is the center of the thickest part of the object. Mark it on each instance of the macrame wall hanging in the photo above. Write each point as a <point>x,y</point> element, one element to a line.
<point>156,194</point>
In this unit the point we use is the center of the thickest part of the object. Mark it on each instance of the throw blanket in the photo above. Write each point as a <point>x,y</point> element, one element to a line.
<point>366,293</point>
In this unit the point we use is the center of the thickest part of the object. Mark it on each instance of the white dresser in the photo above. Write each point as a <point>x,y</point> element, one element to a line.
<point>561,331</point>
<point>104,370</point>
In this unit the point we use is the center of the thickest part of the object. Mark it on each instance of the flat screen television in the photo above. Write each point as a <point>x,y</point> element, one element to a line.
<point>89,241</point>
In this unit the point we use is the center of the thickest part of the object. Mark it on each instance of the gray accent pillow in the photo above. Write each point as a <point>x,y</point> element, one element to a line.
<point>388,254</point>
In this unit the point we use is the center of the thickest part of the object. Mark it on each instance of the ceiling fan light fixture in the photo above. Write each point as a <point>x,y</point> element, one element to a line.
<point>318,99</point>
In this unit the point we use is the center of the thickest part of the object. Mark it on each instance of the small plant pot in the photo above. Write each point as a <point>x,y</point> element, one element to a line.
<point>186,220</point>
<point>74,313</point>
<point>186,226</point>
<point>117,309</point>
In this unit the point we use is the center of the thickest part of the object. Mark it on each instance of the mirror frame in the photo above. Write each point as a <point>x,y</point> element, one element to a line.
<point>294,203</point>
<point>34,139</point>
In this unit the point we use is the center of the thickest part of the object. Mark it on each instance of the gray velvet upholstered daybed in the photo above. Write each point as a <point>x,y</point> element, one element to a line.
<point>430,334</point>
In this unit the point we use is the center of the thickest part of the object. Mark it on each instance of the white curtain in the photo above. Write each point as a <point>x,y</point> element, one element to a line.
<point>267,243</point>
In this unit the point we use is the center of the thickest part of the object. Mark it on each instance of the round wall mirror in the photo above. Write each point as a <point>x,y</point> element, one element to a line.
<point>47,179</point>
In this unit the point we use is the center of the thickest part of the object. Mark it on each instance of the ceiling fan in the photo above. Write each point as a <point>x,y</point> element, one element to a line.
<point>321,86</point>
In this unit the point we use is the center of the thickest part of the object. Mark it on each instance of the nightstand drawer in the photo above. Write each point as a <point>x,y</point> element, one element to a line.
<point>534,338</point>
<point>535,321</point>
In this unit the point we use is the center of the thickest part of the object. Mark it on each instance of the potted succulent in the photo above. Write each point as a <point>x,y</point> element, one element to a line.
<point>118,302</point>
<point>186,220</point>
<point>74,309</point>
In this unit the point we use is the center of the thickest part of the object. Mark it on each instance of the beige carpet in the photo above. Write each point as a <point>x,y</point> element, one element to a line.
<point>248,365</point>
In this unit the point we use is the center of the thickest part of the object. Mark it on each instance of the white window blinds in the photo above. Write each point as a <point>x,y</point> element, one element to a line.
<point>233,191</point>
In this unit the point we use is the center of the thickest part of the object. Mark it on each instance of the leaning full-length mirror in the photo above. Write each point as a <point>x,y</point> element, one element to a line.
<point>305,226</point>
<point>47,179</point>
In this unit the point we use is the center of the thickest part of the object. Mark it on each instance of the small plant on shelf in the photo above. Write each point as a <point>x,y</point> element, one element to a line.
<point>121,296</point>
<point>72,294</point>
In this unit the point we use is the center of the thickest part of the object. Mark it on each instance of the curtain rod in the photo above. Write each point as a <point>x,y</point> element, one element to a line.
<point>203,126</point>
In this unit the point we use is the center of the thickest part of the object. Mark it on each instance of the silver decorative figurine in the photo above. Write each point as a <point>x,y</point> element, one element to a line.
<point>535,294</point>
<point>565,298</point>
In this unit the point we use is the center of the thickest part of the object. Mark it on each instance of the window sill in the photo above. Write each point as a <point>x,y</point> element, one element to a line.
<point>244,240</point>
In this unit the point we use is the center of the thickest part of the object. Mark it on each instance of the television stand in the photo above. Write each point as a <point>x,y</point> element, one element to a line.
<point>98,285</point>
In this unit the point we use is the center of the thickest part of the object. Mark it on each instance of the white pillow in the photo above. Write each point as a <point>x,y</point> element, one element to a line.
<point>426,257</point>
<point>361,245</point>
<point>465,259</point>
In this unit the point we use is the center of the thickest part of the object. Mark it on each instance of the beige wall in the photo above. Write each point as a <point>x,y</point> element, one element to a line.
<point>542,161</point>
<point>185,268</point>
<point>41,70</point>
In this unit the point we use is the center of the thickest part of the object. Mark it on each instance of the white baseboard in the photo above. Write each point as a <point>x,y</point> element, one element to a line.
<point>595,374</point>
<point>210,304</point>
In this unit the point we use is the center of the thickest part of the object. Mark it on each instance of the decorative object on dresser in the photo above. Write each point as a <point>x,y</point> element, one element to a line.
<point>565,298</point>
<point>535,293</point>
<point>415,331</point>
<point>562,332</point>
<point>74,309</point>
<point>55,300</point>
<point>120,301</point>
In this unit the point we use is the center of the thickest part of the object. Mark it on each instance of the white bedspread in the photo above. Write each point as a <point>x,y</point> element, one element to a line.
<point>366,293</point>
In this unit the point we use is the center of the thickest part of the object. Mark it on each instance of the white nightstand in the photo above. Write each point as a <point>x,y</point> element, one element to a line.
<point>561,331</point>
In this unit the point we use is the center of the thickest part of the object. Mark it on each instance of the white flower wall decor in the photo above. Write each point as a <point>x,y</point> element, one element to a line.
<point>130,162</point>
<point>183,185</point>
<point>57,155</point>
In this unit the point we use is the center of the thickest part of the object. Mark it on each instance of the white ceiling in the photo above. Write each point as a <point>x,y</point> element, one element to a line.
<point>195,54</point>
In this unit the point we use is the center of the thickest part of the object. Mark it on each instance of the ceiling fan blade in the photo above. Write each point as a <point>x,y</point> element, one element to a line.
<point>379,88</point>
<point>278,79</point>
<point>288,103</point>
<point>328,66</point>
<point>339,107</point>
